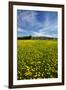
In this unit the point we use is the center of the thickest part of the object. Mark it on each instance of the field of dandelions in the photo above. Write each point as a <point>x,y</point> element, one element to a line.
<point>37,59</point>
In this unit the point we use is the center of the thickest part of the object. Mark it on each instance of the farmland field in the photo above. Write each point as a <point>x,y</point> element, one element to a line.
<point>37,59</point>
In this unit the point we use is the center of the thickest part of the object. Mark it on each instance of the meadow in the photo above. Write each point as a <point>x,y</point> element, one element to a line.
<point>37,59</point>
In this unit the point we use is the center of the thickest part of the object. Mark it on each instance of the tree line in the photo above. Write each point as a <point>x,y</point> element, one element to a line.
<point>35,38</point>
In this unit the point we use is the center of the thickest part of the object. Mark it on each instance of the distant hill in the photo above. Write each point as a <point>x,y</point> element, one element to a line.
<point>34,38</point>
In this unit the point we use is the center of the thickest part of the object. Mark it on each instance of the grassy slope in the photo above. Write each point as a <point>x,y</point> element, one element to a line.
<point>37,59</point>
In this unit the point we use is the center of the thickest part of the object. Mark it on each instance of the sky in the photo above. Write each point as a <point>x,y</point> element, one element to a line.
<point>37,23</point>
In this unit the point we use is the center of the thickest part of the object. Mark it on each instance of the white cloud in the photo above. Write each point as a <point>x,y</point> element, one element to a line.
<point>20,30</point>
<point>48,31</point>
<point>44,34</point>
<point>38,34</point>
<point>28,20</point>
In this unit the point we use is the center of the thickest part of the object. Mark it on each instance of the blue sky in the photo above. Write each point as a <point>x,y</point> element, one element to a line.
<point>37,23</point>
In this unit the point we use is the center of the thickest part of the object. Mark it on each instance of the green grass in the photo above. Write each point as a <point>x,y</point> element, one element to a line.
<point>37,59</point>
